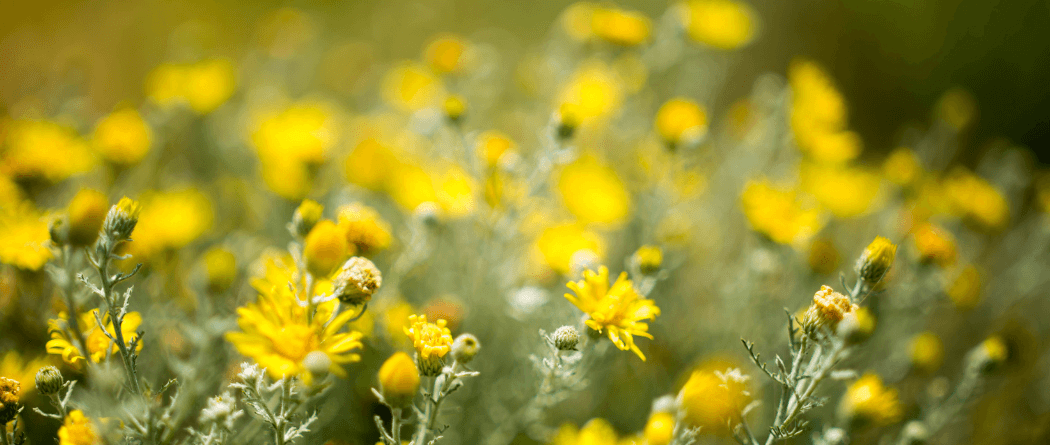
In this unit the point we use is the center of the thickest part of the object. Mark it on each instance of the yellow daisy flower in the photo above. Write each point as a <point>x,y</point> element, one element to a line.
<point>23,236</point>
<point>98,344</point>
<point>77,430</point>
<point>22,369</point>
<point>617,309</point>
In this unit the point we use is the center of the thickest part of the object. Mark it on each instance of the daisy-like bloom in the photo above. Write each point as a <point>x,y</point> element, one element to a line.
<point>170,220</point>
<point>780,213</point>
<point>98,343</point>
<point>77,430</point>
<point>619,309</point>
<point>868,400</point>
<point>366,231</point>
<point>432,342</point>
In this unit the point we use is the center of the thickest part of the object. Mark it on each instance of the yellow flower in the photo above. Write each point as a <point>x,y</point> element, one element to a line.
<point>648,259</point>
<point>411,185</point>
<point>77,429</point>
<point>221,268</point>
<point>594,92</point>
<point>902,166</point>
<point>709,401</point>
<point>122,137</point>
<point>203,86</point>
<point>622,27</point>
<point>410,87</point>
<point>455,193</point>
<point>44,149</point>
<point>429,339</point>
<point>995,349</point>
<point>87,210</point>
<point>9,402</point>
<point>681,120</point>
<point>324,249</point>
<point>976,199</point>
<point>447,53</point>
<point>98,343</point>
<point>595,432</point>
<point>965,290</point>
<point>276,331</point>
<point>454,107</point>
<point>24,236</point>
<point>659,430</point>
<point>618,309</point>
<point>370,164</point>
<point>170,220</point>
<point>723,24</point>
<point>292,142</point>
<point>492,145</point>
<point>593,192</point>
<point>876,260</point>
<point>926,351</point>
<point>818,115</point>
<point>366,231</point>
<point>828,308</point>
<point>14,366</point>
<point>935,244</point>
<point>577,20</point>
<point>557,244</point>
<point>848,192</point>
<point>780,213</point>
<point>398,379</point>
<point>867,399</point>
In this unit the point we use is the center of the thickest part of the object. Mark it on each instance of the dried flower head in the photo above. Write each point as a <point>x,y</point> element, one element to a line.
<point>9,403</point>
<point>398,380</point>
<point>867,400</point>
<point>49,380</point>
<point>827,309</point>
<point>121,219</point>
<point>876,260</point>
<point>618,309</point>
<point>357,281</point>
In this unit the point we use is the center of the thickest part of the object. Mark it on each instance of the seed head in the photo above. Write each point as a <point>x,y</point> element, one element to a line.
<point>49,380</point>
<point>357,281</point>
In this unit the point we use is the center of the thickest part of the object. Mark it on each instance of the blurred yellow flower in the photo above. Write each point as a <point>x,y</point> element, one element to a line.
<point>594,92</point>
<point>577,20</point>
<point>410,87</point>
<point>44,149</point>
<point>98,346</point>
<point>868,400</point>
<point>455,193</point>
<point>659,430</point>
<point>77,429</point>
<point>366,231</point>
<point>593,192</point>
<point>926,351</point>
<point>411,185</point>
<point>823,256</point>
<point>935,244</point>
<point>492,145</point>
<point>304,132</point>
<point>122,137</point>
<point>370,164</point>
<point>24,236</point>
<point>902,166</point>
<point>14,366</point>
<point>595,432</point>
<point>619,26</point>
<point>618,310</point>
<point>220,267</point>
<point>780,213</point>
<point>965,290</point>
<point>681,120</point>
<point>722,24</point>
<point>558,243</point>
<point>395,314</point>
<point>708,401</point>
<point>398,379</point>
<point>170,220</point>
<point>85,213</point>
<point>324,248</point>
<point>818,115</point>
<point>977,199</point>
<point>447,54</point>
<point>848,192</point>
<point>203,86</point>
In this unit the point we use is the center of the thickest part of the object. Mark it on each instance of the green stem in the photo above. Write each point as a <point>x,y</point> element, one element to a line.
<point>395,426</point>
<point>117,320</point>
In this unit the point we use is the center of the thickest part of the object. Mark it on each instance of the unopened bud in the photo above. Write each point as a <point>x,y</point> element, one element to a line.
<point>566,338</point>
<point>465,347</point>
<point>121,219</point>
<point>49,380</point>
<point>398,380</point>
<point>306,217</point>
<point>876,260</point>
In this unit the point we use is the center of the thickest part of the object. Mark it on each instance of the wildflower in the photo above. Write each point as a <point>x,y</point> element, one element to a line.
<point>411,87</point>
<point>594,432</point>
<point>170,220</point>
<point>447,54</point>
<point>828,308</point>
<point>926,352</point>
<point>722,24</point>
<point>492,146</point>
<point>935,244</point>
<point>708,400</point>
<point>902,166</point>
<point>594,193</point>
<point>848,192</point>
<point>370,164</point>
<point>977,200</point>
<point>292,142</point>
<point>86,212</point>
<point>98,346</point>
<point>618,309</point>
<point>681,120</point>
<point>411,186</point>
<point>565,338</point>
<point>49,380</point>
<point>823,256</point>
<point>203,86</point>
<point>622,27</point>
<point>876,260</point>
<point>454,107</point>
<point>868,400</point>
<point>455,193</point>
<point>77,429</point>
<point>356,281</point>
<point>306,217</point>
<point>965,290</point>
<point>221,268</point>
<point>398,380</point>
<point>432,341</point>
<point>122,137</point>
<point>568,119</point>
<point>464,348</point>
<point>818,115</point>
<point>648,259</point>
<point>659,430</point>
<point>780,213</point>
<point>9,403</point>
<point>277,333</point>
<point>324,248</point>
<point>557,244</point>
<point>23,369</point>
<point>24,236</point>
<point>366,231</point>
<point>593,93</point>
<point>45,150</point>
<point>121,219</point>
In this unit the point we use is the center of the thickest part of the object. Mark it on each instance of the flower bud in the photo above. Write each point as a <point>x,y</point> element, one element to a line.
<point>660,429</point>
<point>867,400</point>
<point>989,354</point>
<point>454,107</point>
<point>9,405</point>
<point>431,365</point>
<point>306,217</point>
<point>465,347</point>
<point>566,338</point>
<point>221,267</point>
<point>398,380</point>
<point>86,213</point>
<point>58,230</point>
<point>49,380</point>
<point>356,281</point>
<point>317,363</point>
<point>876,260</point>
<point>926,352</point>
<point>324,248</point>
<point>121,219</point>
<point>567,118</point>
<point>648,259</point>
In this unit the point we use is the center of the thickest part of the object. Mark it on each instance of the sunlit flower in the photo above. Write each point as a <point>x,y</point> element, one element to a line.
<point>593,192</point>
<point>780,213</point>
<point>398,379</point>
<point>9,402</point>
<point>868,400</point>
<point>77,429</point>
<point>618,310</point>
<point>492,146</point>
<point>122,137</point>
<point>876,260</point>
<point>202,86</point>
<point>681,120</point>
<point>848,192</point>
<point>411,185</point>
<point>24,236</point>
<point>366,231</point>
<point>595,432</point>
<point>619,26</point>
<point>709,400</point>
<point>828,308</point>
<point>410,87</point>
<point>557,244</point>
<point>22,369</point>
<point>447,54</point>
<point>593,92</point>
<point>292,142</point>
<point>170,220</point>
<point>965,290</point>
<point>44,149</point>
<point>432,342</point>
<point>98,343</point>
<point>935,244</point>
<point>722,24</point>
<point>325,248</point>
